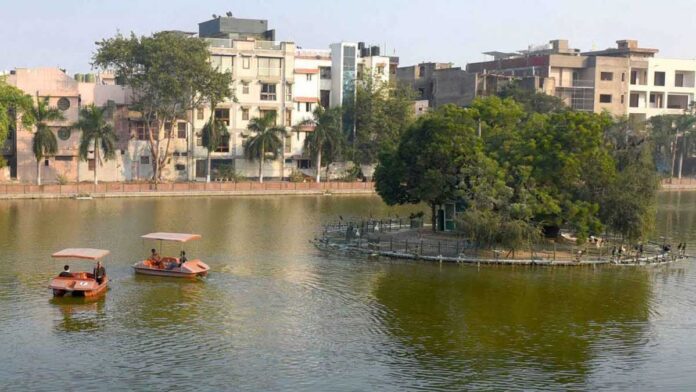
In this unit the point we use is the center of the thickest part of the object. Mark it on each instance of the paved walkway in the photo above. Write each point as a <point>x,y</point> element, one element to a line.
<point>103,190</point>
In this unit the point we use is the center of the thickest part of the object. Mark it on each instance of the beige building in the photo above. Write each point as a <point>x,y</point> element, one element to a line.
<point>263,73</point>
<point>68,95</point>
<point>591,81</point>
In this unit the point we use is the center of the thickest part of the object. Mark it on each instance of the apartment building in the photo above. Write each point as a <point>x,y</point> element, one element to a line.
<point>442,83</point>
<point>660,86</point>
<point>69,95</point>
<point>263,73</point>
<point>277,77</point>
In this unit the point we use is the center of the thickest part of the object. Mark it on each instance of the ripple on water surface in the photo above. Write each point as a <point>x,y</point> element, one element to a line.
<point>275,314</point>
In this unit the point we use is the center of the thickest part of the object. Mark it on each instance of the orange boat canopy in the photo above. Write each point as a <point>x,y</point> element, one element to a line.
<point>81,253</point>
<point>177,237</point>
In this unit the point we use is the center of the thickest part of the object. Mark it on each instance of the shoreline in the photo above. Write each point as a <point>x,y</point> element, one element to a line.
<point>193,189</point>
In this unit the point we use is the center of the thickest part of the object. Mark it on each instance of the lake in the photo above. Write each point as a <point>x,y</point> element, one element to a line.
<point>276,314</point>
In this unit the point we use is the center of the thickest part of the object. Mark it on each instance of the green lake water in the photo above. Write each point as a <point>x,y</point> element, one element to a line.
<point>276,314</point>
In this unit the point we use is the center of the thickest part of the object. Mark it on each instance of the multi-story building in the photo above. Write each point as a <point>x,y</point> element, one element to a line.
<point>441,84</point>
<point>69,95</point>
<point>263,73</point>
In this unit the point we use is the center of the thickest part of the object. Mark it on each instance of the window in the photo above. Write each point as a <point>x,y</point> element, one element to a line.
<point>45,162</point>
<point>606,76</point>
<point>268,92</point>
<point>288,118</point>
<point>679,79</point>
<point>269,66</point>
<point>309,77</point>
<point>325,72</point>
<point>246,62</point>
<point>623,76</point>
<point>245,87</point>
<point>139,130</point>
<point>633,100</point>
<point>634,77</point>
<point>288,92</point>
<point>325,98</point>
<point>199,140</point>
<point>144,160</point>
<point>622,98</point>
<point>200,114</point>
<point>180,167</point>
<point>245,114</point>
<point>63,104</point>
<point>223,115</point>
<point>421,71</point>
<point>659,79</point>
<point>380,69</point>
<point>605,98</point>
<point>181,130</point>
<point>224,145</point>
<point>90,164</point>
<point>288,144</point>
<point>308,107</point>
<point>221,63</point>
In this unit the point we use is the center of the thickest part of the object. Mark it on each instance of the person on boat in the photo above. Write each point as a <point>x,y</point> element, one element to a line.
<point>182,258</point>
<point>99,272</point>
<point>155,258</point>
<point>66,272</point>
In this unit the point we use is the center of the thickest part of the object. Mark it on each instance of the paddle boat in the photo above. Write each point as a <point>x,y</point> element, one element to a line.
<point>79,284</point>
<point>176,267</point>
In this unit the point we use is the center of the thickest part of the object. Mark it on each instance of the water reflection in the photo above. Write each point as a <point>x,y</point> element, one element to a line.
<point>500,326</point>
<point>79,314</point>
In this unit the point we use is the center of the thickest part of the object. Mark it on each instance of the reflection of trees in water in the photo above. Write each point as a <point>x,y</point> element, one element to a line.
<point>80,314</point>
<point>501,325</point>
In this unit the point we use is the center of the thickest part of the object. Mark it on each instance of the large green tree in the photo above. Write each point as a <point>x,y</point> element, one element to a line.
<point>434,162</point>
<point>526,171</point>
<point>44,143</point>
<point>266,140</point>
<point>14,104</point>
<point>97,134</point>
<point>325,138</point>
<point>170,75</point>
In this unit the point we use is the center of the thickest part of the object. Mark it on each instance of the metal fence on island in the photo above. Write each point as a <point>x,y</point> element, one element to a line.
<point>404,238</point>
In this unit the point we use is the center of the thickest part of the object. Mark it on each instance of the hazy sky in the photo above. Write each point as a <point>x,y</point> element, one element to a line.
<point>62,33</point>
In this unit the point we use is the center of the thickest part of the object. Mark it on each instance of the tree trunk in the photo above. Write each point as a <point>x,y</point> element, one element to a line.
<point>319,166</point>
<point>263,155</point>
<point>282,156</point>
<point>681,162</point>
<point>207,170</point>
<point>96,160</point>
<point>674,156</point>
<point>433,218</point>
<point>38,172</point>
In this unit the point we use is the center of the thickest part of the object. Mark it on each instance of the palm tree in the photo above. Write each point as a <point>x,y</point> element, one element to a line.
<point>213,133</point>
<point>266,142</point>
<point>97,133</point>
<point>326,137</point>
<point>44,143</point>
